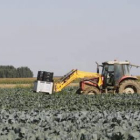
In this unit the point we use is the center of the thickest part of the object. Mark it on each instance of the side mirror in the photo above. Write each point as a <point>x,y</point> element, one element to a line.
<point>98,70</point>
<point>97,67</point>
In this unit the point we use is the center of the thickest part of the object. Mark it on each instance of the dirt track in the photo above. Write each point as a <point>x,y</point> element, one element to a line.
<point>27,85</point>
<point>14,85</point>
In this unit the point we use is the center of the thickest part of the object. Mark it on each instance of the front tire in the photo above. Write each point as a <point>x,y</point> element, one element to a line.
<point>91,91</point>
<point>129,87</point>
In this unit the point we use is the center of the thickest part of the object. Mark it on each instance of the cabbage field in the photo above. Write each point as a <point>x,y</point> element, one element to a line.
<point>25,115</point>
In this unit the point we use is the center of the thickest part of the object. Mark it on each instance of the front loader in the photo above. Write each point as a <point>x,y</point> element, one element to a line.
<point>45,82</point>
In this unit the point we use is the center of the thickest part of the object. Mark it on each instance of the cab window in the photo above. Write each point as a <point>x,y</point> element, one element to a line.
<point>110,68</point>
<point>126,69</point>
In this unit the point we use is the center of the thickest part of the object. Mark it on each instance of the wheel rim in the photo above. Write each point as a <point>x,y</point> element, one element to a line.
<point>91,93</point>
<point>129,90</point>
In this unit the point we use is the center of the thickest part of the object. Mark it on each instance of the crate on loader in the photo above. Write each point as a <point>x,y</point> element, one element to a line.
<point>44,82</point>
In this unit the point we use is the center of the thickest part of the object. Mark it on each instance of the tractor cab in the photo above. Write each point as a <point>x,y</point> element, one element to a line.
<point>113,72</point>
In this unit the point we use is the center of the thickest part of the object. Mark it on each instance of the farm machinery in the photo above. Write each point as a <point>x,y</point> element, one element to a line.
<point>115,77</point>
<point>45,81</point>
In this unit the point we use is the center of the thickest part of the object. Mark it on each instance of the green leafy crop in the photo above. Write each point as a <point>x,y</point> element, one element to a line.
<point>67,116</point>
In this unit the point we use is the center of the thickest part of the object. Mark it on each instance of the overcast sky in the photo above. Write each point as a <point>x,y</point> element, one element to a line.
<point>60,35</point>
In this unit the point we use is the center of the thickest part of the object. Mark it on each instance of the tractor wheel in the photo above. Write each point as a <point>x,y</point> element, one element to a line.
<point>91,91</point>
<point>129,87</point>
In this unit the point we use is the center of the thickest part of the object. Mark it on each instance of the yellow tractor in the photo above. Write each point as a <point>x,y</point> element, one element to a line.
<point>115,77</point>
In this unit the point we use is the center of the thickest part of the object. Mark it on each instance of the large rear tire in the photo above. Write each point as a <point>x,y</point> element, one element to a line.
<point>129,87</point>
<point>91,91</point>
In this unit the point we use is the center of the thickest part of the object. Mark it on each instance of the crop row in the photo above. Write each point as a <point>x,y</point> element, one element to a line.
<point>59,125</point>
<point>67,100</point>
<point>26,80</point>
<point>67,116</point>
<point>19,80</point>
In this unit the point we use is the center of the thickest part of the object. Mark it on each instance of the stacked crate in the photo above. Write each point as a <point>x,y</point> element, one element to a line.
<point>45,76</point>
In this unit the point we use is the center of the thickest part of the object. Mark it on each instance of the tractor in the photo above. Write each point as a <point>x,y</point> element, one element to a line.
<point>116,78</point>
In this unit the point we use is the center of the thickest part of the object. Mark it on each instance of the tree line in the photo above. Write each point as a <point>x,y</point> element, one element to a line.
<point>12,72</point>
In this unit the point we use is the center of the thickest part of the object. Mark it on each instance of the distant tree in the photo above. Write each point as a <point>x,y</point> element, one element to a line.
<point>12,72</point>
<point>2,74</point>
<point>24,72</point>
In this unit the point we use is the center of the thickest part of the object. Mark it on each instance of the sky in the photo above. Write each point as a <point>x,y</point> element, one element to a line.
<point>60,35</point>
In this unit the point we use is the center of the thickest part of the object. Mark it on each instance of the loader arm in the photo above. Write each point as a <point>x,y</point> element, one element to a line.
<point>72,75</point>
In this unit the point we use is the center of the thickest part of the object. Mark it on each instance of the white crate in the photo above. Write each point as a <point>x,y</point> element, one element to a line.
<point>42,86</point>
